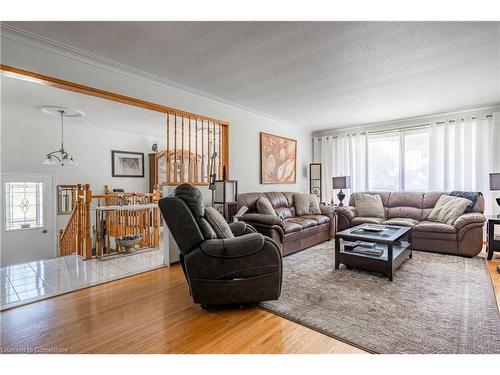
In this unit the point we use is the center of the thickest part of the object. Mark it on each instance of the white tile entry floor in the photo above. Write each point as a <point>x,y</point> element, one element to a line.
<point>28,282</point>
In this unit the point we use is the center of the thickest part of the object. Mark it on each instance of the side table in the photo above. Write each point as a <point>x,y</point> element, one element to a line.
<point>493,243</point>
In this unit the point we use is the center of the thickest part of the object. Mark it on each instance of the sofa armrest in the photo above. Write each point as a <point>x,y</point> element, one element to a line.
<point>467,219</point>
<point>235,247</point>
<point>327,211</point>
<point>263,219</point>
<point>348,212</point>
<point>240,227</point>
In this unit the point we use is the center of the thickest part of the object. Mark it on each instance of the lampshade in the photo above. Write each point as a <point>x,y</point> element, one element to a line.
<point>494,181</point>
<point>225,191</point>
<point>341,182</point>
<point>49,160</point>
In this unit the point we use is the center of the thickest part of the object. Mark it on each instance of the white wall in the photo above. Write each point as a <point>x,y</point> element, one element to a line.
<point>245,126</point>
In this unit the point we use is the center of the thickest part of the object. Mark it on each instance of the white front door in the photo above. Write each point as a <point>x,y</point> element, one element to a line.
<point>27,218</point>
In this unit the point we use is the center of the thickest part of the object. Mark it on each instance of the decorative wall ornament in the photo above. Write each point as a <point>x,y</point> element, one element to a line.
<point>278,159</point>
<point>127,164</point>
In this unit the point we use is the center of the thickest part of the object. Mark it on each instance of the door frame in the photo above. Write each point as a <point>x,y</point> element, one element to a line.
<point>53,218</point>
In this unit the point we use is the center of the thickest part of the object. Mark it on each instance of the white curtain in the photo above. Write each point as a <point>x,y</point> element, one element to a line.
<point>344,155</point>
<point>462,154</point>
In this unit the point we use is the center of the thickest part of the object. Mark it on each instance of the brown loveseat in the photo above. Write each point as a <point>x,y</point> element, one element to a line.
<point>292,233</point>
<point>464,237</point>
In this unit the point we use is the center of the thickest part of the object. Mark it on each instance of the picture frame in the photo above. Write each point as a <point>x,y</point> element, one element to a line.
<point>278,159</point>
<point>127,164</point>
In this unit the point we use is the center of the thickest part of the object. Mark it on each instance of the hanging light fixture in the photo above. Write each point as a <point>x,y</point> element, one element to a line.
<point>60,157</point>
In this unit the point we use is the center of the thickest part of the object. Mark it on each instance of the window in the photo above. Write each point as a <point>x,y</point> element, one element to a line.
<point>416,161</point>
<point>399,161</point>
<point>23,205</point>
<point>383,162</point>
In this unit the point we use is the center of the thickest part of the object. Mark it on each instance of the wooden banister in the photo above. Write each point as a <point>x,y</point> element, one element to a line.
<point>76,237</point>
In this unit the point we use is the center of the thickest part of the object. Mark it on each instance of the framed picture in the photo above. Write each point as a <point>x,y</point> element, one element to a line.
<point>127,164</point>
<point>278,159</point>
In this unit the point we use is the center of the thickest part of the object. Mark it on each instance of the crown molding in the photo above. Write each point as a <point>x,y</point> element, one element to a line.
<point>18,35</point>
<point>411,121</point>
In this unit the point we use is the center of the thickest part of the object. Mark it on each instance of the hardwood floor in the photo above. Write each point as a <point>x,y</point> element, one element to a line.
<point>153,313</point>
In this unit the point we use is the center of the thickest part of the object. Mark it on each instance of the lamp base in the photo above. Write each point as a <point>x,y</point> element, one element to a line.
<point>341,197</point>
<point>498,202</point>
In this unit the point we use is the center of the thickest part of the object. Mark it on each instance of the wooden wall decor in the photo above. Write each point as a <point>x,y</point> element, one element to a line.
<point>278,159</point>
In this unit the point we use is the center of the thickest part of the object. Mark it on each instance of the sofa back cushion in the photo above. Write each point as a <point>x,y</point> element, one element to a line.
<point>405,205</point>
<point>369,205</point>
<point>280,204</point>
<point>249,200</point>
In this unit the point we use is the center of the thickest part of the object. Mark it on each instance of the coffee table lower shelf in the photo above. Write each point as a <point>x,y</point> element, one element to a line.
<point>382,264</point>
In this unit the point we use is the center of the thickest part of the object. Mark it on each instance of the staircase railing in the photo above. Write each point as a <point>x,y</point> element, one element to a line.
<point>76,237</point>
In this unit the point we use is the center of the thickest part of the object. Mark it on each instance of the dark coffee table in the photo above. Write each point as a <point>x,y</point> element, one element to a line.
<point>395,252</point>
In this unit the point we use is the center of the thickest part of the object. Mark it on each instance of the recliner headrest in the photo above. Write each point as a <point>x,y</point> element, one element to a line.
<point>191,195</point>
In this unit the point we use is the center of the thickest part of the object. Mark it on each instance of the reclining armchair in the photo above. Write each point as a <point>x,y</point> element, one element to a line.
<point>221,271</point>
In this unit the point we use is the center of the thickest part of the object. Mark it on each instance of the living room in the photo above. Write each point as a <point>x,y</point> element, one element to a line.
<point>251,187</point>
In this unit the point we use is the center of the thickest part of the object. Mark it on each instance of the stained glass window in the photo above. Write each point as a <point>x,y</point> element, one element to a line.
<point>23,205</point>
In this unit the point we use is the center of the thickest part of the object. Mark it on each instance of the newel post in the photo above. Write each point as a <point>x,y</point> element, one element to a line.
<point>88,238</point>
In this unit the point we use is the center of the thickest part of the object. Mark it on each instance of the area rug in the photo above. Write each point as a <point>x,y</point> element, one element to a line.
<point>436,303</point>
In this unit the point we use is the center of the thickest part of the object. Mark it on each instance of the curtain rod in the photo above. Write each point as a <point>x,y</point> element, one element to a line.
<point>415,127</point>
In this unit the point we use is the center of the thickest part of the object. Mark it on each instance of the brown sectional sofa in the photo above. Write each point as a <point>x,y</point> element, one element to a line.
<point>464,237</point>
<point>292,233</point>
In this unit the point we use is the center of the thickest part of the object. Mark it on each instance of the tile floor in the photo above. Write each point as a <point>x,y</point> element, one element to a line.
<point>28,282</point>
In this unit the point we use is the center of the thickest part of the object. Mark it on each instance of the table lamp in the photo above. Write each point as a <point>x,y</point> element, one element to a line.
<point>341,182</point>
<point>495,185</point>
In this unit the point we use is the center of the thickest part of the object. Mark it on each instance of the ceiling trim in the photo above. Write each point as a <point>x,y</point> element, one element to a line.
<point>34,40</point>
<point>412,121</point>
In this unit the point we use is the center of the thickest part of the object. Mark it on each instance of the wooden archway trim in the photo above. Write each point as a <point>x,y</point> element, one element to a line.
<point>11,71</point>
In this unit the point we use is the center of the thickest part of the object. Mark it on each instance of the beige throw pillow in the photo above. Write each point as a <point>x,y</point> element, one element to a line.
<point>302,203</point>
<point>265,207</point>
<point>314,205</point>
<point>448,208</point>
<point>306,204</point>
<point>369,205</point>
<point>218,223</point>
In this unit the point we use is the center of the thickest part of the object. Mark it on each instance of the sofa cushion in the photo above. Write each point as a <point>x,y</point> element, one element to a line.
<point>304,223</point>
<point>218,223</point>
<point>291,226</point>
<point>432,226</point>
<point>448,209</point>
<point>369,205</point>
<point>265,207</point>
<point>320,219</point>
<point>402,221</point>
<point>363,220</point>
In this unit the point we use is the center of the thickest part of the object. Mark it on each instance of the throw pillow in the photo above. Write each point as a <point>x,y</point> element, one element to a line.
<point>302,203</point>
<point>369,205</point>
<point>448,209</point>
<point>314,205</point>
<point>218,223</point>
<point>470,195</point>
<point>265,207</point>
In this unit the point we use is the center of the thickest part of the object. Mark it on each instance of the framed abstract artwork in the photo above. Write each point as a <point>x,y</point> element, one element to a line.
<point>127,164</point>
<point>278,159</point>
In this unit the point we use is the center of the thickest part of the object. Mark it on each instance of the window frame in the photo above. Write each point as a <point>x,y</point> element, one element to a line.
<point>402,153</point>
<point>39,204</point>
